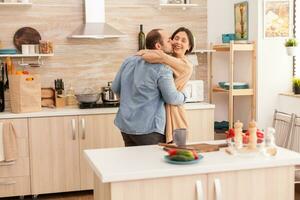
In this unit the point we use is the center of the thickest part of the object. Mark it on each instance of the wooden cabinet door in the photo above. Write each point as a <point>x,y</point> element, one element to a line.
<point>96,131</point>
<point>15,176</point>
<point>201,125</point>
<point>54,151</point>
<point>258,184</point>
<point>192,187</point>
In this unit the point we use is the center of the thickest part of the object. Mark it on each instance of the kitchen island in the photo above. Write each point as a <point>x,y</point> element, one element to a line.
<point>140,173</point>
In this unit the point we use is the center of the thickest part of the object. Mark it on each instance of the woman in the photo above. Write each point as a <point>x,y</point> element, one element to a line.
<point>183,43</point>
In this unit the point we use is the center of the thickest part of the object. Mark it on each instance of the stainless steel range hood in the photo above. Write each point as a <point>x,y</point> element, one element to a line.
<point>95,26</point>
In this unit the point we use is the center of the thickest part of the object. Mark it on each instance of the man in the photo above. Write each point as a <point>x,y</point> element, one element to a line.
<point>143,89</point>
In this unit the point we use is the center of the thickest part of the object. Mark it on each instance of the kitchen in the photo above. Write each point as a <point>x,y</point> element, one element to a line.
<point>90,63</point>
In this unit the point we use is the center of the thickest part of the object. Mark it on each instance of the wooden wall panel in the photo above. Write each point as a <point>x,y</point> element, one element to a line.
<point>92,63</point>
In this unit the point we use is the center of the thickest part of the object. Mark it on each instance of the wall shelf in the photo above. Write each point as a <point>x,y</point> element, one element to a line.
<point>203,51</point>
<point>25,55</point>
<point>183,6</point>
<point>236,47</point>
<point>14,4</point>
<point>235,92</point>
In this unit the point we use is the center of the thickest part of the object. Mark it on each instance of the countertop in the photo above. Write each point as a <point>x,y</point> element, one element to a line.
<point>146,162</point>
<point>67,111</point>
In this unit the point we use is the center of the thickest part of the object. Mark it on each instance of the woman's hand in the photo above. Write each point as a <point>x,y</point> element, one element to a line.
<point>152,56</point>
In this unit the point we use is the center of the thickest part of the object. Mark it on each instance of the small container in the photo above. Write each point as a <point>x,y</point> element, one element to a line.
<point>46,47</point>
<point>25,49</point>
<point>270,145</point>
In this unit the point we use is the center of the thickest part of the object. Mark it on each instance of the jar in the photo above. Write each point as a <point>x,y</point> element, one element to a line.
<point>46,47</point>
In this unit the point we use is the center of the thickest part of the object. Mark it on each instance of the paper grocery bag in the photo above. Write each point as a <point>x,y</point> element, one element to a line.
<point>25,93</point>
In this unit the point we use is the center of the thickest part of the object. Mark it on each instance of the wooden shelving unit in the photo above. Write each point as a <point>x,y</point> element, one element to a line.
<point>183,6</point>
<point>203,51</point>
<point>232,49</point>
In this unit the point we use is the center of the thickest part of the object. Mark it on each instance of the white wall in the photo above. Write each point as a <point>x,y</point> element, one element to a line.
<point>274,69</point>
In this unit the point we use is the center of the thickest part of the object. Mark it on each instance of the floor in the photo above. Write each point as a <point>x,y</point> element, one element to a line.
<point>88,195</point>
<point>297,192</point>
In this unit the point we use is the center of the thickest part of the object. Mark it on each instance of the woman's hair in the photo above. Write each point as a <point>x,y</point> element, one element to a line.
<point>152,38</point>
<point>189,35</point>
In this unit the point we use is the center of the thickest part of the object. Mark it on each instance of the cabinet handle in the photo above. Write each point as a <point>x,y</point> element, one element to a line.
<point>218,189</point>
<point>73,129</point>
<point>7,163</point>
<point>83,128</point>
<point>199,188</point>
<point>8,182</point>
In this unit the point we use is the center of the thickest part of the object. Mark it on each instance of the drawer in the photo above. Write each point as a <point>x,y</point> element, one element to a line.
<point>18,168</point>
<point>15,186</point>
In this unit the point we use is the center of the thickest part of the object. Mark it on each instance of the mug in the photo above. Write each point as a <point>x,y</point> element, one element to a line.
<point>179,136</point>
<point>31,48</point>
<point>25,49</point>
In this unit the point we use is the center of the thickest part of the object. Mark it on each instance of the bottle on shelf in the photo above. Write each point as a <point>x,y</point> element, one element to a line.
<point>141,37</point>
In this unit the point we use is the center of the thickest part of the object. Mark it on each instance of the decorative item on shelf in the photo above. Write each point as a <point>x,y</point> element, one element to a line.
<point>164,1</point>
<point>8,51</point>
<point>226,38</point>
<point>26,35</point>
<point>46,47</point>
<point>241,21</point>
<point>176,1</point>
<point>291,45</point>
<point>236,85</point>
<point>141,38</point>
<point>296,85</point>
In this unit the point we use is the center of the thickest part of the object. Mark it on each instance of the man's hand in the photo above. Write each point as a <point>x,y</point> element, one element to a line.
<point>152,56</point>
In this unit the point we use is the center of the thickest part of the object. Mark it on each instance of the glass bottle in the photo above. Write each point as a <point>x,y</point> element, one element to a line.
<point>141,38</point>
<point>270,145</point>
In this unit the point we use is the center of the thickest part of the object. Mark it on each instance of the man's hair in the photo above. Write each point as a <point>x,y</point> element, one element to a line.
<point>152,38</point>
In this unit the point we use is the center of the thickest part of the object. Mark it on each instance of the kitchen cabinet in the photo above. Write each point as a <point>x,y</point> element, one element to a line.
<point>54,152</point>
<point>97,131</point>
<point>15,176</point>
<point>218,176</point>
<point>57,144</point>
<point>201,125</point>
<point>257,184</point>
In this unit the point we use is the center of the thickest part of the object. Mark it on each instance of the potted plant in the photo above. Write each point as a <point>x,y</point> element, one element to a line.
<point>296,85</point>
<point>291,46</point>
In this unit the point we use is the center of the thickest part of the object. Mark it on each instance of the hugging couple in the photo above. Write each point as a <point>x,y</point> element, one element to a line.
<point>150,86</point>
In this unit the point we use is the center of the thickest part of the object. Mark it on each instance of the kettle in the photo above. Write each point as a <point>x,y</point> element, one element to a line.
<point>108,95</point>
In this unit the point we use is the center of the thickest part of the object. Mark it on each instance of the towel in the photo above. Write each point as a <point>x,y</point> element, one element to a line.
<point>2,157</point>
<point>175,115</point>
<point>9,142</point>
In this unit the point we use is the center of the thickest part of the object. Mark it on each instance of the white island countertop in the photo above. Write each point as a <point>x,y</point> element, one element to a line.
<point>146,162</point>
<point>68,111</point>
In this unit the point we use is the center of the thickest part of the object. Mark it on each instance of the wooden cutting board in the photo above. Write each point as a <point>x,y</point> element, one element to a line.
<point>26,35</point>
<point>202,147</point>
